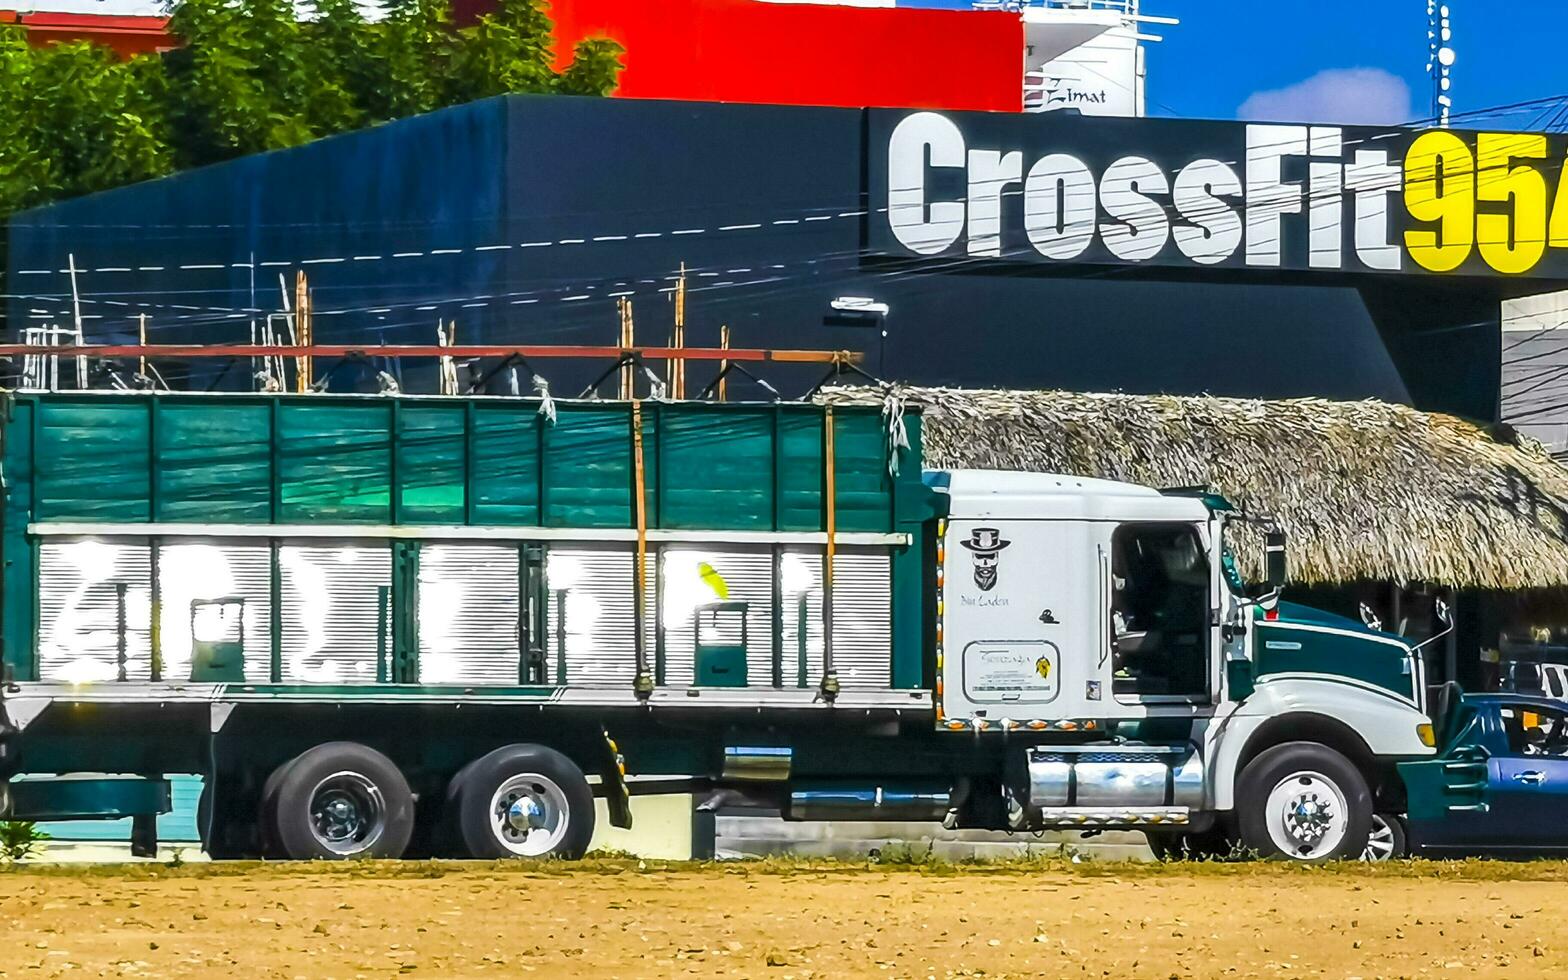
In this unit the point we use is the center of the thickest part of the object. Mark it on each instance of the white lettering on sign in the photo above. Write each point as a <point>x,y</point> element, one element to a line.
<point>1144,227</point>
<point>1372,179</point>
<point>1294,187</point>
<point>922,141</point>
<point>990,173</point>
<point>1059,206</point>
<point>1214,229</point>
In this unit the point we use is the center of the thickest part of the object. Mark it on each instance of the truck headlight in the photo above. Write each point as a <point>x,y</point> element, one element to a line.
<point>1426,735</point>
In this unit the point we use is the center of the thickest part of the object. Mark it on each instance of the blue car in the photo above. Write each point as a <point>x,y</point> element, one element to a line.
<point>1499,785</point>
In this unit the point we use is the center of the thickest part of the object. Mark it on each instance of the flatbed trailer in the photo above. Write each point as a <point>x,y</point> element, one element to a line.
<point>401,625</point>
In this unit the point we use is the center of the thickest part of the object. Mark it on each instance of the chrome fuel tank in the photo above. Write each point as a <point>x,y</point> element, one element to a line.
<point>1114,776</point>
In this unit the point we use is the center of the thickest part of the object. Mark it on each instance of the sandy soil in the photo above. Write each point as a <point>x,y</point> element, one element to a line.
<point>619,920</point>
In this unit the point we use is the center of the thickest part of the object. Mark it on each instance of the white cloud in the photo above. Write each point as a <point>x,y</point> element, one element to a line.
<point>1368,96</point>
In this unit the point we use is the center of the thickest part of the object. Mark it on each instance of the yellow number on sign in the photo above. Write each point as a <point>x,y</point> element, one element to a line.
<point>1511,243</point>
<point>1440,187</point>
<point>1558,232</point>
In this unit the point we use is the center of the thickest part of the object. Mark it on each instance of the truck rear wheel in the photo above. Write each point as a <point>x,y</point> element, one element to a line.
<point>341,800</point>
<point>522,801</point>
<point>1302,801</point>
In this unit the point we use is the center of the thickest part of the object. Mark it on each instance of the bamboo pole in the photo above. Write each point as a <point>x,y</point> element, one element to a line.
<point>724,365</point>
<point>302,366</point>
<point>628,341</point>
<point>677,368</point>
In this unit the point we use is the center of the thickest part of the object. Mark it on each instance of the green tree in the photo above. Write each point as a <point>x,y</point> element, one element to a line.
<point>416,45</point>
<point>253,75</point>
<point>26,170</point>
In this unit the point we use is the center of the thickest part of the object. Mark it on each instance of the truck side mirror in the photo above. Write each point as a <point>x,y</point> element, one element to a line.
<point>1274,559</point>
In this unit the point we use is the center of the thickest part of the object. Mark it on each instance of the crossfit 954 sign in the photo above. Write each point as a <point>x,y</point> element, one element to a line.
<point>1352,199</point>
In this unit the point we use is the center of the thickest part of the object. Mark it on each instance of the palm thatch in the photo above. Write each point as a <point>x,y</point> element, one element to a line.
<point>1366,490</point>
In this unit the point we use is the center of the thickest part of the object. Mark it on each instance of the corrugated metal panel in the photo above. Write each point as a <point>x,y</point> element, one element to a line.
<point>430,464</point>
<point>862,616</point>
<point>78,635</point>
<point>689,582</point>
<point>214,466</point>
<point>718,470</point>
<point>92,460</point>
<point>588,456</point>
<point>335,462</point>
<point>330,595</point>
<point>862,619</point>
<point>330,459</point>
<point>594,587</point>
<point>506,464</point>
<point>468,614</point>
<point>191,570</point>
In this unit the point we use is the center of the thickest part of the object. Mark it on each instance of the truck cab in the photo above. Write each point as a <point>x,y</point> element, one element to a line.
<point>1111,616</point>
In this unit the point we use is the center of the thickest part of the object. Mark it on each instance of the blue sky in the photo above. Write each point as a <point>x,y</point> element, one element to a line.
<point>1226,51</point>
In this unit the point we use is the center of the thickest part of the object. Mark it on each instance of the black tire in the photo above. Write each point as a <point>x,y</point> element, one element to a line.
<point>1312,776</point>
<point>267,812</point>
<point>1390,845</point>
<point>542,784</point>
<point>342,800</point>
<point>1210,845</point>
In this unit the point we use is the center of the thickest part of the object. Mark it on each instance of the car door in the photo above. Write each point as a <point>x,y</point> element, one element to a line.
<point>1529,778</point>
<point>1449,797</point>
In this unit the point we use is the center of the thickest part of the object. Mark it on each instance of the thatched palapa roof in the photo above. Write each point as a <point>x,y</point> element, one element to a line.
<point>1366,490</point>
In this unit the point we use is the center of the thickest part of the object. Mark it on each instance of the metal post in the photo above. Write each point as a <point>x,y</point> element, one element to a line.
<point>383,593</point>
<point>643,684</point>
<point>119,628</point>
<point>560,638</point>
<point>830,687</point>
<point>776,605</point>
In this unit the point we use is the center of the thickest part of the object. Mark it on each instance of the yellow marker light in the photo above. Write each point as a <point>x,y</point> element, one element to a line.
<point>1425,734</point>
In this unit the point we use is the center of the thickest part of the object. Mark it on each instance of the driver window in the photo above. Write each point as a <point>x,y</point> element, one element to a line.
<point>1159,612</point>
<point>1535,731</point>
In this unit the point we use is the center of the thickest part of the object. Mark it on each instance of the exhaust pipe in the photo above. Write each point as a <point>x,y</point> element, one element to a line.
<point>904,800</point>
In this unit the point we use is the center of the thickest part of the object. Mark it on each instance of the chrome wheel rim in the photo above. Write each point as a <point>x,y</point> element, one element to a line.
<point>348,813</point>
<point>1308,816</point>
<point>1380,842</point>
<point>529,814</point>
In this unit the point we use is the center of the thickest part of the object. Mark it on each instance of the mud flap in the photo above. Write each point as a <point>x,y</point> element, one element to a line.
<point>617,796</point>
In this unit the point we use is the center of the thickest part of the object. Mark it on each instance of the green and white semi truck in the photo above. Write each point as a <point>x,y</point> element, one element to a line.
<point>397,625</point>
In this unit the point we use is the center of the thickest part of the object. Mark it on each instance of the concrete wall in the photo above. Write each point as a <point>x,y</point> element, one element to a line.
<point>1535,367</point>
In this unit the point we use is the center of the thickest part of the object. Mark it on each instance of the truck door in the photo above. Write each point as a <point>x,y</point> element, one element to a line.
<point>1160,602</point>
<point>1021,634</point>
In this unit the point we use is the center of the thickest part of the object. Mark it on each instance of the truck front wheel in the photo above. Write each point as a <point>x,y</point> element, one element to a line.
<point>1302,801</point>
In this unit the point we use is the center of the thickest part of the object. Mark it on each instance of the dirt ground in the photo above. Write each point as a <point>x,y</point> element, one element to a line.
<point>630,919</point>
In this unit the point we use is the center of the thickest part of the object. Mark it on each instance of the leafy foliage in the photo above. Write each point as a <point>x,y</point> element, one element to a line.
<point>19,840</point>
<point>254,75</point>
